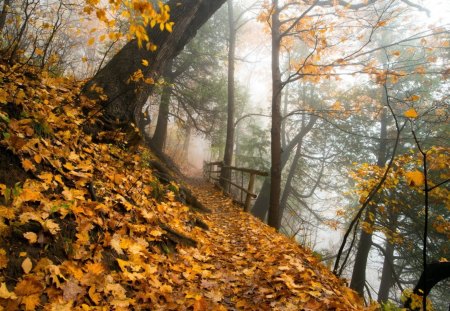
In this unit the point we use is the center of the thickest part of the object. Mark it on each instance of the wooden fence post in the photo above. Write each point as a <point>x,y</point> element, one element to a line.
<point>248,199</point>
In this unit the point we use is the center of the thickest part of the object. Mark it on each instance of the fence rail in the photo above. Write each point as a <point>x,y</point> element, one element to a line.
<point>212,171</point>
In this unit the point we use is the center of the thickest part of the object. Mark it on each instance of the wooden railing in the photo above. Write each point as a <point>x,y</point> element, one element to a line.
<point>212,170</point>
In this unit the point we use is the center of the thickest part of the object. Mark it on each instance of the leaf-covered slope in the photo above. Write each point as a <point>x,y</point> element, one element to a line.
<point>88,225</point>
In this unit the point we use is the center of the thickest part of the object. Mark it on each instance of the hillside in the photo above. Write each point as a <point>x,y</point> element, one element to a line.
<point>100,225</point>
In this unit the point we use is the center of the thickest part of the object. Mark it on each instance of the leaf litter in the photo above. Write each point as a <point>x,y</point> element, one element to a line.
<point>87,224</point>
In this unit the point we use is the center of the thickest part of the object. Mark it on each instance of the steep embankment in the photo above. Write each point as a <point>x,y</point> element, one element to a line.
<point>90,224</point>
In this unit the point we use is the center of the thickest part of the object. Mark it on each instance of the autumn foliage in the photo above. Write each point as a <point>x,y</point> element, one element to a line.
<point>87,225</point>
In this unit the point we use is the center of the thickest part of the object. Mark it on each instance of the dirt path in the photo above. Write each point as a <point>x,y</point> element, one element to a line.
<point>259,269</point>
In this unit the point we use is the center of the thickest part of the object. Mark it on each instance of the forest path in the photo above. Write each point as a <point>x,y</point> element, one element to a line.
<point>261,269</point>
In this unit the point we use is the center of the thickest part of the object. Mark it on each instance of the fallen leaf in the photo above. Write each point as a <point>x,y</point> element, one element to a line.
<point>5,293</point>
<point>27,265</point>
<point>31,237</point>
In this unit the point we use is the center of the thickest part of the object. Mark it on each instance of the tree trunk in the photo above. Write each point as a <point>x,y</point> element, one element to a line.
<point>261,205</point>
<point>229,142</point>
<point>365,241</point>
<point>290,177</point>
<point>3,14</point>
<point>387,275</point>
<point>387,279</point>
<point>159,137</point>
<point>274,217</point>
<point>125,99</point>
<point>186,143</point>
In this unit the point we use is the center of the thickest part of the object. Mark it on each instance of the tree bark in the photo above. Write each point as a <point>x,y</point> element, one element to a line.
<point>229,141</point>
<point>387,279</point>
<point>186,143</point>
<point>261,205</point>
<point>365,241</point>
<point>290,177</point>
<point>3,14</point>
<point>160,134</point>
<point>126,99</point>
<point>274,217</point>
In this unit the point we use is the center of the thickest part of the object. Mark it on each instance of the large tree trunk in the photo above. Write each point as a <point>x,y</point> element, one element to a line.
<point>261,205</point>
<point>126,99</point>
<point>229,141</point>
<point>365,241</point>
<point>274,217</point>
<point>159,137</point>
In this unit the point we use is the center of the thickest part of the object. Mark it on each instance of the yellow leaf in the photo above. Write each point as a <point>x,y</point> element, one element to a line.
<point>169,27</point>
<point>5,293</point>
<point>411,113</point>
<point>145,62</point>
<point>29,195</point>
<point>31,237</point>
<point>156,233</point>
<point>46,177</point>
<point>27,265</point>
<point>52,226</point>
<point>415,178</point>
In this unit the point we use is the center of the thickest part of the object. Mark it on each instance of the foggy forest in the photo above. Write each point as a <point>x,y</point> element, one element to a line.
<point>224,155</point>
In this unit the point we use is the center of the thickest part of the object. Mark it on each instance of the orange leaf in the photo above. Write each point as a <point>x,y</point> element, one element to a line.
<point>415,178</point>
<point>37,158</point>
<point>3,259</point>
<point>28,286</point>
<point>46,177</point>
<point>414,98</point>
<point>96,268</point>
<point>201,305</point>
<point>94,296</point>
<point>31,302</point>
<point>28,165</point>
<point>411,113</point>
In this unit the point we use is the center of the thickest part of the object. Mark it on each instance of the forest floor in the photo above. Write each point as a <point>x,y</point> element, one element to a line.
<point>262,269</point>
<point>90,222</point>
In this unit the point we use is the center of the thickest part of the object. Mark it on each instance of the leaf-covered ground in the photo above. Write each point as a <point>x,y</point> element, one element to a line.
<point>94,224</point>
